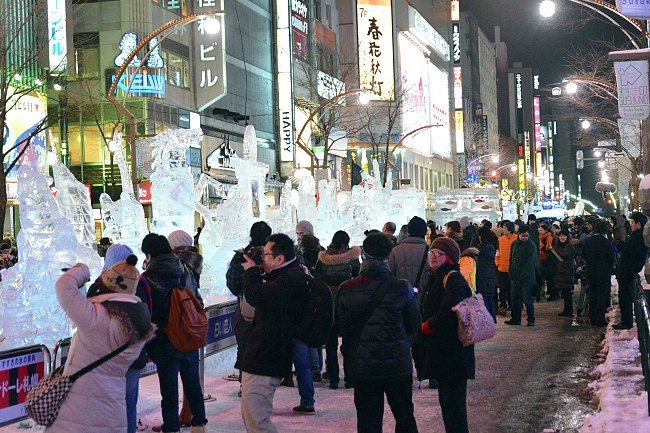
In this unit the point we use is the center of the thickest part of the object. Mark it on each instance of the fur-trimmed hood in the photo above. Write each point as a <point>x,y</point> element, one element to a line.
<point>131,312</point>
<point>341,257</point>
<point>471,252</point>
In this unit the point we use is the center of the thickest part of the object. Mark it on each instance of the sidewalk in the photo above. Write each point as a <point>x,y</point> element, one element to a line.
<point>618,388</point>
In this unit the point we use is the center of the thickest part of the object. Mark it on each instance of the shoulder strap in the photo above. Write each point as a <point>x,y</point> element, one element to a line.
<point>424,260</point>
<point>374,301</point>
<point>99,362</point>
<point>444,280</point>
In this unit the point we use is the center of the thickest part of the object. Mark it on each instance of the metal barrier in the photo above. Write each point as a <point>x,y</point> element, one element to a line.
<point>60,353</point>
<point>642,314</point>
<point>20,371</point>
<point>221,332</point>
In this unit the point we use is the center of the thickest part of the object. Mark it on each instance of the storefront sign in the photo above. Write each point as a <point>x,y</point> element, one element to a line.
<point>56,20</point>
<point>632,86</point>
<point>22,121</point>
<point>425,32</point>
<point>375,39</point>
<point>455,42</point>
<point>285,87</point>
<point>537,118</point>
<point>210,57</point>
<point>455,10</point>
<point>300,29</point>
<point>20,371</point>
<point>460,133</point>
<point>458,87</point>
<point>144,192</point>
<point>639,9</point>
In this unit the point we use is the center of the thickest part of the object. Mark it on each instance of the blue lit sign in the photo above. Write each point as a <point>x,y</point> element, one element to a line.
<point>144,84</point>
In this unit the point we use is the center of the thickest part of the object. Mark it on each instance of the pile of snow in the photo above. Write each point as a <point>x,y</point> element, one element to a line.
<point>622,402</point>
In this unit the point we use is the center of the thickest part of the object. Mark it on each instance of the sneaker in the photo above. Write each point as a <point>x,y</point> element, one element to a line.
<point>304,410</point>
<point>512,322</point>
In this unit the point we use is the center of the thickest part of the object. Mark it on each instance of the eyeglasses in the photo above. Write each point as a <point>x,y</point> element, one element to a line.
<point>436,253</point>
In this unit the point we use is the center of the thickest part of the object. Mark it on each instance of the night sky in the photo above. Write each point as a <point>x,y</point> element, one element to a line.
<point>537,42</point>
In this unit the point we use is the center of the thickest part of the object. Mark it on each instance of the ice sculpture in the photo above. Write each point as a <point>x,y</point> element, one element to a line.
<point>123,219</point>
<point>307,205</point>
<point>29,311</point>
<point>284,221</point>
<point>172,185</point>
<point>74,202</point>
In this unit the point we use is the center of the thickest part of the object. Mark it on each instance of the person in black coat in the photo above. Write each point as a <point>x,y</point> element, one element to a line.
<point>278,292</point>
<point>564,278</point>
<point>378,352</point>
<point>630,264</point>
<point>599,257</point>
<point>445,358</point>
<point>486,269</point>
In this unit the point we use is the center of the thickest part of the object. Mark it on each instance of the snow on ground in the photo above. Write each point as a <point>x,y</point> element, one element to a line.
<point>618,388</point>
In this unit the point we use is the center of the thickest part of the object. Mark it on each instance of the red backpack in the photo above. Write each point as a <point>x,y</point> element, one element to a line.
<point>187,327</point>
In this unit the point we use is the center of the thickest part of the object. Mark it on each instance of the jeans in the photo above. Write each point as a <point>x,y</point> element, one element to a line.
<point>504,289</point>
<point>453,402</point>
<point>300,355</point>
<point>315,360</point>
<point>491,305</point>
<point>168,368</point>
<point>516,296</point>
<point>332,357</point>
<point>369,401</point>
<point>132,385</point>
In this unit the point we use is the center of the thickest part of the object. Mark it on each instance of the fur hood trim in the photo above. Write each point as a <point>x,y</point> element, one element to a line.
<point>338,259</point>
<point>471,251</point>
<point>190,257</point>
<point>131,312</point>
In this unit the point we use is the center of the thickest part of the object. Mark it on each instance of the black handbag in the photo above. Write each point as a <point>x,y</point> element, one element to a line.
<point>43,402</point>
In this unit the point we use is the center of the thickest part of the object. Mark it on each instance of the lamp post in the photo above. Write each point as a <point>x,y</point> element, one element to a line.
<point>326,103</point>
<point>143,43</point>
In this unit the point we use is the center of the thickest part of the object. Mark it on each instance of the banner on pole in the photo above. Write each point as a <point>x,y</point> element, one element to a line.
<point>632,86</point>
<point>630,133</point>
<point>634,8</point>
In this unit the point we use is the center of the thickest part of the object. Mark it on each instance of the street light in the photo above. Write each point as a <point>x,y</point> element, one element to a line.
<point>493,156</point>
<point>547,8</point>
<point>571,88</point>
<point>586,124</point>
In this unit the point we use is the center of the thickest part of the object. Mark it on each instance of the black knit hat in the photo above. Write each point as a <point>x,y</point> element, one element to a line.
<point>377,246</point>
<point>417,227</point>
<point>447,246</point>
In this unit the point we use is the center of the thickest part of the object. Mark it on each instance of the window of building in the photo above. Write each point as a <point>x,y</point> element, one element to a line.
<point>179,7</point>
<point>86,55</point>
<point>177,72</point>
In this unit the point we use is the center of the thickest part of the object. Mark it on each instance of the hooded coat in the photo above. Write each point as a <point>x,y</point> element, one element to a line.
<point>95,403</point>
<point>335,267</point>
<point>406,259</point>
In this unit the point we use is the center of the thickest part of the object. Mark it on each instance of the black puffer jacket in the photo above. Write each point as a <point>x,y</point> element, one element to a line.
<point>336,267</point>
<point>565,269</point>
<point>279,298</point>
<point>163,274</point>
<point>384,346</point>
<point>600,257</point>
<point>485,269</point>
<point>445,357</point>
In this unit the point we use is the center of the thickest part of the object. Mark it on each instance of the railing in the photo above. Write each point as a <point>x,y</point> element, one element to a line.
<point>642,314</point>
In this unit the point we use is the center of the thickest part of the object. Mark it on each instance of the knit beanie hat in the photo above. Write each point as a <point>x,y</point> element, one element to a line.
<point>180,238</point>
<point>417,227</point>
<point>116,253</point>
<point>259,232</point>
<point>122,277</point>
<point>305,227</point>
<point>377,246</point>
<point>447,246</point>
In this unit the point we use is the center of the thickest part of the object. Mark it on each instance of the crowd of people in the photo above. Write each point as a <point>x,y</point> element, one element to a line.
<point>392,300</point>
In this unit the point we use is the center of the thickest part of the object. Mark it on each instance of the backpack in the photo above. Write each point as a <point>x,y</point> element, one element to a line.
<point>318,315</point>
<point>187,327</point>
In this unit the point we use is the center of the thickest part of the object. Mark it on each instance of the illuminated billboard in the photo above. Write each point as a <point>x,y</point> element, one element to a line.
<point>375,42</point>
<point>439,99</point>
<point>58,45</point>
<point>538,124</point>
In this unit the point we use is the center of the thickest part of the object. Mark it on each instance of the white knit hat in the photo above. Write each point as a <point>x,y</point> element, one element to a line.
<point>180,238</point>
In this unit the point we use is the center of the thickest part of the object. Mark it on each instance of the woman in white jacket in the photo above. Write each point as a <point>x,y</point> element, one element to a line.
<point>95,403</point>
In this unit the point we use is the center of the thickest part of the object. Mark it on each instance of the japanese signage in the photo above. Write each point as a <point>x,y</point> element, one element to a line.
<point>144,192</point>
<point>425,32</point>
<point>458,87</point>
<point>460,133</point>
<point>210,56</point>
<point>221,327</point>
<point>375,41</point>
<point>328,87</point>
<point>285,83</point>
<point>632,86</point>
<point>57,35</point>
<point>634,8</point>
<point>19,372</point>
<point>455,42</point>
<point>300,29</point>
<point>22,121</point>
<point>455,10</point>
<point>537,118</point>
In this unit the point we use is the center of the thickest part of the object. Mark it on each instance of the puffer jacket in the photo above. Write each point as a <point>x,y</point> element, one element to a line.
<point>163,274</point>
<point>279,298</point>
<point>523,263</point>
<point>336,267</point>
<point>485,269</point>
<point>545,245</point>
<point>445,358</point>
<point>383,349</point>
<point>96,402</point>
<point>406,258</point>
<point>565,269</point>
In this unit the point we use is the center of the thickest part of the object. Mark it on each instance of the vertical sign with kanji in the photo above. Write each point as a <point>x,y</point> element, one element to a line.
<point>209,56</point>
<point>57,36</point>
<point>376,54</point>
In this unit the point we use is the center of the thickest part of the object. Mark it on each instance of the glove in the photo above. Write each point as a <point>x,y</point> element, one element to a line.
<point>426,330</point>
